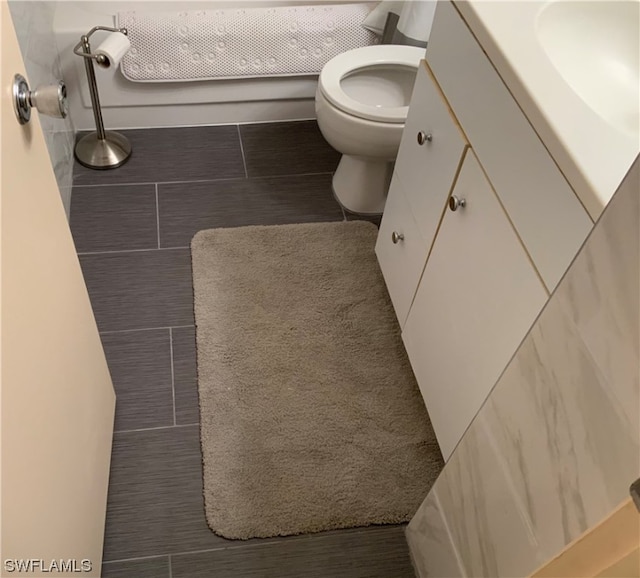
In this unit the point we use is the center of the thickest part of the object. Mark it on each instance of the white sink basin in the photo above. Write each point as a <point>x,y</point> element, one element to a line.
<point>595,48</point>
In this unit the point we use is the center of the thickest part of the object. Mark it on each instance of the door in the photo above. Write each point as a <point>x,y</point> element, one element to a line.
<point>57,404</point>
<point>478,296</point>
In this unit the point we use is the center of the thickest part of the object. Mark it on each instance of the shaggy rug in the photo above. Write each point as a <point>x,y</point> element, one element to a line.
<point>310,416</point>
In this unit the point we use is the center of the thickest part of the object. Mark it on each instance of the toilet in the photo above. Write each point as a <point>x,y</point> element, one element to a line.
<point>362,101</point>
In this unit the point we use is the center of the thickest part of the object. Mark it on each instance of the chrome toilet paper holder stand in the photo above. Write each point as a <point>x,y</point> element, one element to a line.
<point>100,149</point>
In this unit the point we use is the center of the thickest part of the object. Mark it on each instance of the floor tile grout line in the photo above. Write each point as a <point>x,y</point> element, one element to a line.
<point>119,431</point>
<point>135,559</point>
<point>88,253</point>
<point>173,376</point>
<point>144,329</point>
<point>157,215</point>
<point>147,183</point>
<point>267,542</point>
<point>244,160</point>
<point>129,184</point>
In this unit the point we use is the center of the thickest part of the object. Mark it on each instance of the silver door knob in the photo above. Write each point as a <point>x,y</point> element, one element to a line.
<point>397,237</point>
<point>424,137</point>
<point>49,99</point>
<point>456,202</point>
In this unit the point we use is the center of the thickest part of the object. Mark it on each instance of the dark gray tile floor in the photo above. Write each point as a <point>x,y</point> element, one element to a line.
<point>286,148</point>
<point>194,154</point>
<point>132,228</point>
<point>140,365</point>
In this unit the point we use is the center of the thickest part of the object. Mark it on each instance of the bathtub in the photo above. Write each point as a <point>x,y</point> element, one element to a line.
<point>128,104</point>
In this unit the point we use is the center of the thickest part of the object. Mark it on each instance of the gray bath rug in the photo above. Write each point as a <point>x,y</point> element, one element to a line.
<point>310,417</point>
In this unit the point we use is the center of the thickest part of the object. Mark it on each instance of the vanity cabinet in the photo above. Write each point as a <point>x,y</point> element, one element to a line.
<point>430,155</point>
<point>478,296</point>
<point>468,284</point>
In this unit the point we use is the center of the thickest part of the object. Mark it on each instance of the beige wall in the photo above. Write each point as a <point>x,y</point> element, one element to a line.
<point>556,445</point>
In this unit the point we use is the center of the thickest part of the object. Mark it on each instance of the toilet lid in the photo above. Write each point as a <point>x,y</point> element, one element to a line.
<point>374,82</point>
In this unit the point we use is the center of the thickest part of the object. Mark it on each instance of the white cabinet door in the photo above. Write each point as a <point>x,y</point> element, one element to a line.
<point>478,296</point>
<point>400,251</point>
<point>424,174</point>
<point>430,153</point>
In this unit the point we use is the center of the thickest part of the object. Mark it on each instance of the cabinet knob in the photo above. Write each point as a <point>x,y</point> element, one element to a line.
<point>397,237</point>
<point>456,202</point>
<point>424,137</point>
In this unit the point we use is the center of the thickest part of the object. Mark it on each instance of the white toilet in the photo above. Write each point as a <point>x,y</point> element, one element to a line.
<point>361,105</point>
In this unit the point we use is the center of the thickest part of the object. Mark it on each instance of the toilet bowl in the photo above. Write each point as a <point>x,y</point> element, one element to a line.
<point>362,101</point>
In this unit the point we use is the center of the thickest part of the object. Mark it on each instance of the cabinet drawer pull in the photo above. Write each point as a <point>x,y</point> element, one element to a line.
<point>456,202</point>
<point>424,137</point>
<point>396,237</point>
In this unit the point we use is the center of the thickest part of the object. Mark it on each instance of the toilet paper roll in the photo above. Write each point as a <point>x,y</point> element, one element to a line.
<point>114,47</point>
<point>416,19</point>
<point>377,18</point>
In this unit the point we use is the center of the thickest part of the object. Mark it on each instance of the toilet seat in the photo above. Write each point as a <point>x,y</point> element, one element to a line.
<point>368,57</point>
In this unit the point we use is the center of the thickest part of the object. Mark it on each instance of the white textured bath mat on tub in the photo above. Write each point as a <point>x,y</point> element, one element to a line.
<point>240,42</point>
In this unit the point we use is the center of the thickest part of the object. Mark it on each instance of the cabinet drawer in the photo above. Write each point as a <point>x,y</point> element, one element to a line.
<point>428,170</point>
<point>477,298</point>
<point>401,262</point>
<point>542,206</point>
